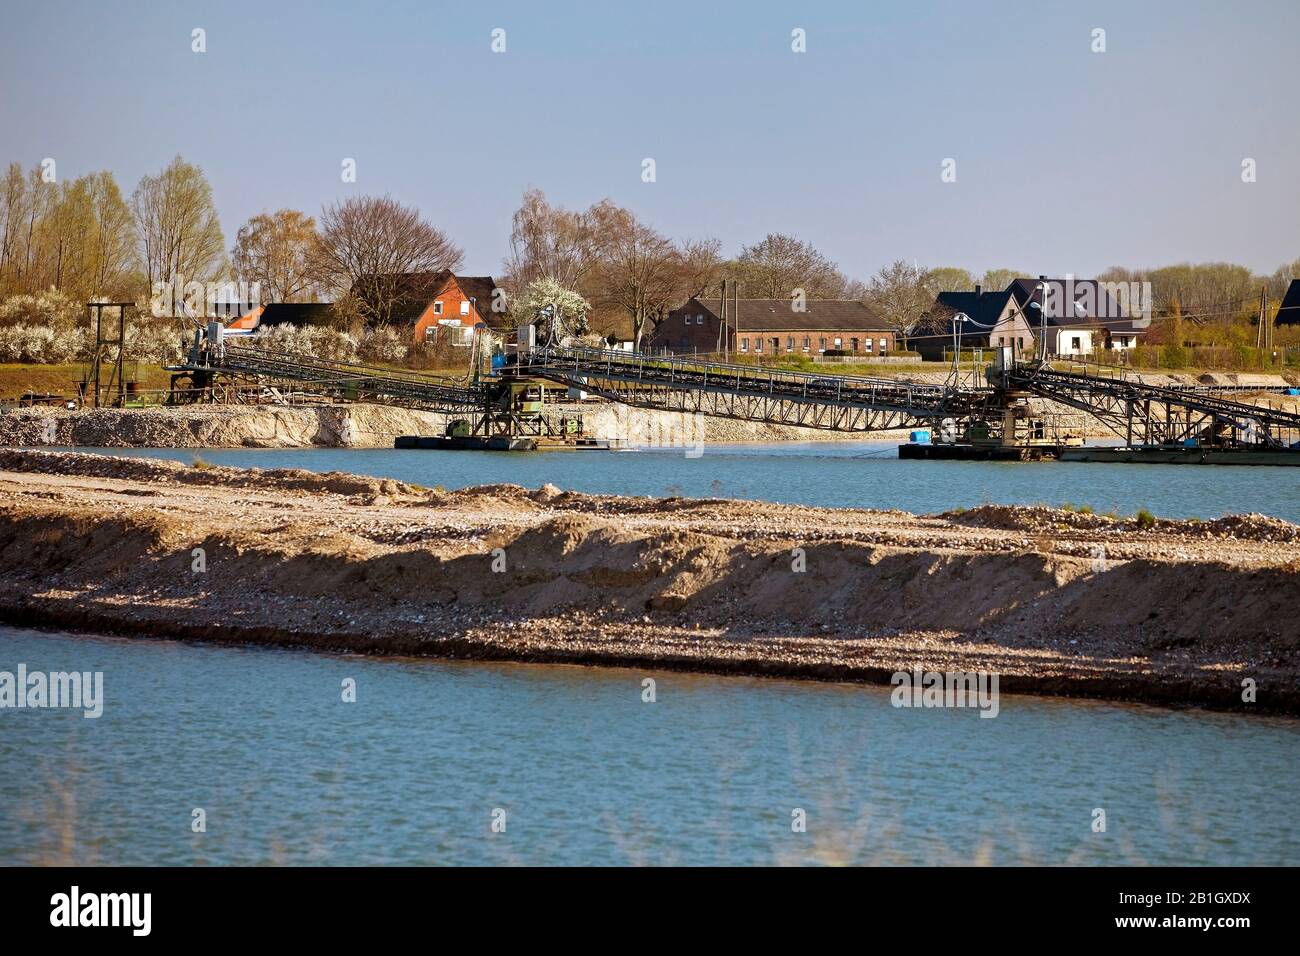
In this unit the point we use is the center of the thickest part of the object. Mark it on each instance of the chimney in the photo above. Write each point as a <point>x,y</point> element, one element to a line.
<point>977,289</point>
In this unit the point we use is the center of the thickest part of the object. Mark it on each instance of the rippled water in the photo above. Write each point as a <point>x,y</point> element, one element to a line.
<point>837,474</point>
<point>588,773</point>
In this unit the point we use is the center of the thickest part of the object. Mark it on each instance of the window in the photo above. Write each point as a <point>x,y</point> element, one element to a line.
<point>868,349</point>
<point>805,343</point>
<point>883,344</point>
<point>744,345</point>
<point>853,345</point>
<point>821,344</point>
<point>758,344</point>
<point>789,343</point>
<point>430,333</point>
<point>437,307</point>
<point>699,320</point>
<point>464,307</point>
<point>839,343</point>
<point>1076,343</point>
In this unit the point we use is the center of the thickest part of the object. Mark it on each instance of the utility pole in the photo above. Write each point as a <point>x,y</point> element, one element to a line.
<point>1259,327</point>
<point>1264,312</point>
<point>722,320</point>
<point>735,313</point>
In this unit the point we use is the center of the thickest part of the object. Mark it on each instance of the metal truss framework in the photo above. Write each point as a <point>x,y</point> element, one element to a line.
<point>1151,414</point>
<point>748,393</point>
<point>348,381</point>
<point>1138,412</point>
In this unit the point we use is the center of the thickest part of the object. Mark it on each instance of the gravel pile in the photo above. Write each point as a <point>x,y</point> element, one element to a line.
<point>1061,601</point>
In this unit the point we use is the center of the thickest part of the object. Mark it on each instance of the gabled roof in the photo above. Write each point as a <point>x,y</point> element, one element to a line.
<point>779,315</point>
<point>405,285</point>
<point>415,290</point>
<point>1092,305</point>
<point>481,290</point>
<point>984,309</point>
<point>1288,313</point>
<point>296,313</point>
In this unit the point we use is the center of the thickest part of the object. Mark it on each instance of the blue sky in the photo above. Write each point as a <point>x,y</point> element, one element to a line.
<point>1067,160</point>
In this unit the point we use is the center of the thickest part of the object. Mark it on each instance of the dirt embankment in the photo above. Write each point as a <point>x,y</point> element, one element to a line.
<point>1055,602</point>
<point>217,426</point>
<point>355,426</point>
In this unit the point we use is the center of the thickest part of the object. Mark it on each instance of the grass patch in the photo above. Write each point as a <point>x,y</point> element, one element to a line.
<point>1144,518</point>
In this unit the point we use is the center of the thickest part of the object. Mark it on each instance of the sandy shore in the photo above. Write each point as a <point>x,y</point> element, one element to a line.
<point>1055,602</point>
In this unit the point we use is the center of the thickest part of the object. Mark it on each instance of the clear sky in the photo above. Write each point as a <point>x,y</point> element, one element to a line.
<point>1067,160</point>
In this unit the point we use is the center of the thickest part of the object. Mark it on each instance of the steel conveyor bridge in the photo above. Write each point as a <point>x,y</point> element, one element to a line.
<point>1138,412</point>
<point>1156,414</point>
<point>749,392</point>
<point>346,381</point>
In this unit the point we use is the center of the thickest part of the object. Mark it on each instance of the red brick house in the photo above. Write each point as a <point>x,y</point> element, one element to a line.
<point>430,306</point>
<point>434,304</point>
<point>766,327</point>
<point>459,303</point>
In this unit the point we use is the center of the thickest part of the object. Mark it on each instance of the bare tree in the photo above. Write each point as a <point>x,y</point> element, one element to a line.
<point>779,264</point>
<point>642,272</point>
<point>41,198</point>
<point>901,294</point>
<point>548,242</point>
<point>276,251</point>
<point>113,250</point>
<point>13,207</point>
<point>177,225</point>
<point>697,269</point>
<point>382,254</point>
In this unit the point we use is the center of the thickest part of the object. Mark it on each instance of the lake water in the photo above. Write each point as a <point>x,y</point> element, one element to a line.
<point>586,772</point>
<point>840,474</point>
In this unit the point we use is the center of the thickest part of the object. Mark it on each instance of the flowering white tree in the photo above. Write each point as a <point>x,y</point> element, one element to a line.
<point>558,313</point>
<point>382,345</point>
<point>309,342</point>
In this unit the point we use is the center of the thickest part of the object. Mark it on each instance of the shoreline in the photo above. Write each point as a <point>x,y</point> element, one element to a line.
<point>1179,616</point>
<point>1185,694</point>
<point>364,425</point>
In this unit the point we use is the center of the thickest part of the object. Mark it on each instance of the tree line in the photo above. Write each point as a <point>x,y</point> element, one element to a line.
<point>600,269</point>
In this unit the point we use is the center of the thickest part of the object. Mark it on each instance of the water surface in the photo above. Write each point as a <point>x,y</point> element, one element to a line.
<point>832,474</point>
<point>586,772</point>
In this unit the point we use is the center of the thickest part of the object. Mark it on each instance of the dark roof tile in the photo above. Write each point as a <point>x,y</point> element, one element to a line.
<point>779,315</point>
